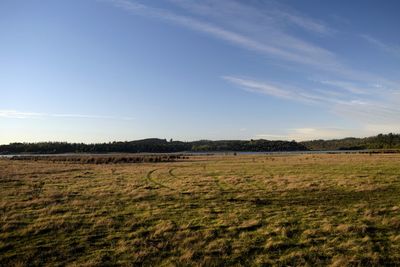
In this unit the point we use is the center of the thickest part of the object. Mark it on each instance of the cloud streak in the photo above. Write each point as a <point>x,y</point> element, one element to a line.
<point>347,86</point>
<point>310,133</point>
<point>266,30</point>
<point>306,23</point>
<point>389,48</point>
<point>280,91</point>
<point>272,31</point>
<point>327,133</point>
<point>277,44</point>
<point>360,108</point>
<point>272,13</point>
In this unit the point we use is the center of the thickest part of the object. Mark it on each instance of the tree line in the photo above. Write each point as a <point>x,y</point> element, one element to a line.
<point>155,145</point>
<point>152,145</point>
<point>381,141</point>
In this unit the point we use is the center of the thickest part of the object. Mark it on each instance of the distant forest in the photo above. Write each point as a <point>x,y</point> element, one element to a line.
<point>381,141</point>
<point>154,145</point>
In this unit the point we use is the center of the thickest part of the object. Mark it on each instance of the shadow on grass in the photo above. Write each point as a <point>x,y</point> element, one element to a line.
<point>328,197</point>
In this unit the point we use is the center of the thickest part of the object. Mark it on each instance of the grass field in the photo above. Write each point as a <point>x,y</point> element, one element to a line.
<point>206,210</point>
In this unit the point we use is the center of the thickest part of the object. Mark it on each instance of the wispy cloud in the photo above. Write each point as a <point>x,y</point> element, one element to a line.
<point>389,48</point>
<point>19,115</point>
<point>280,90</point>
<point>313,133</point>
<point>271,136</point>
<point>271,30</point>
<point>347,86</point>
<point>303,134</point>
<point>270,11</point>
<point>306,23</point>
<point>257,87</point>
<point>249,35</point>
<point>362,108</point>
<point>14,114</point>
<point>369,112</point>
<point>265,28</point>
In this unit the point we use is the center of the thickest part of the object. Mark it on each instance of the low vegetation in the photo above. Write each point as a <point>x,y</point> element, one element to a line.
<point>103,159</point>
<point>287,210</point>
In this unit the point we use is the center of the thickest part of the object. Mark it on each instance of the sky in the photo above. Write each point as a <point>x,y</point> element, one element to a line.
<point>119,70</point>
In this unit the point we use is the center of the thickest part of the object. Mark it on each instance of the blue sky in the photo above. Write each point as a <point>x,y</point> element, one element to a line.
<point>105,70</point>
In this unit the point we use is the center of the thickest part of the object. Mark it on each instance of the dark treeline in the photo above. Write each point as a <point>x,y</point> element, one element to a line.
<point>381,141</point>
<point>252,145</point>
<point>154,145</point>
<point>151,146</point>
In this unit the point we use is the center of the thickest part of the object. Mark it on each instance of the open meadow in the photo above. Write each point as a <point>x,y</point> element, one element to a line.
<point>251,210</point>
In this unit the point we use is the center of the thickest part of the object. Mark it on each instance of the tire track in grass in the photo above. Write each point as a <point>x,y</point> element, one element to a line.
<point>191,186</point>
<point>215,180</point>
<point>184,191</point>
<point>223,187</point>
<point>151,180</point>
<point>171,174</point>
<point>228,183</point>
<point>170,171</point>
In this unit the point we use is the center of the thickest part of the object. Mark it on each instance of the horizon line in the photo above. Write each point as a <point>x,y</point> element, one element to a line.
<point>197,140</point>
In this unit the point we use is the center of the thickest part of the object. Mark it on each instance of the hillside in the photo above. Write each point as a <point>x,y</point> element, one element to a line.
<point>155,145</point>
<point>381,141</point>
<point>152,145</point>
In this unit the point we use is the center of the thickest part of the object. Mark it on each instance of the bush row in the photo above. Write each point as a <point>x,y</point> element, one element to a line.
<point>104,159</point>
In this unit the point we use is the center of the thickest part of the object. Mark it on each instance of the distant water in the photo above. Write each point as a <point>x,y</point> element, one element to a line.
<point>198,153</point>
<point>283,152</point>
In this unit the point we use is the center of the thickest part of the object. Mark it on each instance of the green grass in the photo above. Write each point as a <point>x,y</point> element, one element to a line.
<point>207,210</point>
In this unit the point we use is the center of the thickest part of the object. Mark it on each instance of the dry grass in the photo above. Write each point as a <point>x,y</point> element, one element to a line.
<point>210,210</point>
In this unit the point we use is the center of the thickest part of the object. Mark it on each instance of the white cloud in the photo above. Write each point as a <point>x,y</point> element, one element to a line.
<point>264,28</point>
<point>348,86</point>
<point>362,109</point>
<point>375,129</point>
<point>312,133</point>
<point>302,134</point>
<point>280,91</point>
<point>271,12</point>
<point>271,137</point>
<point>369,112</point>
<point>345,91</point>
<point>19,115</point>
<point>242,29</point>
<point>306,23</point>
<point>258,87</point>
